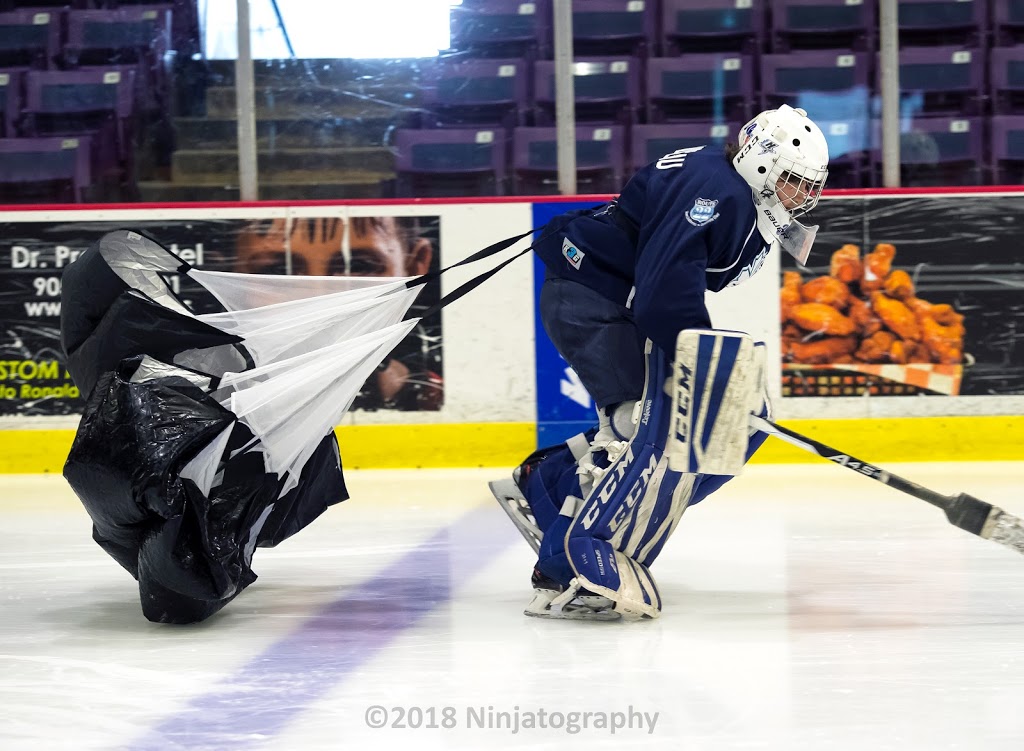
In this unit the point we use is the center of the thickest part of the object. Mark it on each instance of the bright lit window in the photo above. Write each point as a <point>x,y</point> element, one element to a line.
<point>332,29</point>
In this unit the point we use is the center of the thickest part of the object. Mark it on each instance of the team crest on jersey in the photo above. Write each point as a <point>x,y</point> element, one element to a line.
<point>703,212</point>
<point>572,254</point>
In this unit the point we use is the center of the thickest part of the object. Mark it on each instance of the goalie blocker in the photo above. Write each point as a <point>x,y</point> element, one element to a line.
<point>691,435</point>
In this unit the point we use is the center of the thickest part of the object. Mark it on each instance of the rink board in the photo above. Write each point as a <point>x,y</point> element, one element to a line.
<point>505,389</point>
<point>881,440</point>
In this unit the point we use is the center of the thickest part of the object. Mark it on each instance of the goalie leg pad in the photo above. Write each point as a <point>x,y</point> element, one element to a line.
<point>718,380</point>
<point>708,484</point>
<point>633,508</point>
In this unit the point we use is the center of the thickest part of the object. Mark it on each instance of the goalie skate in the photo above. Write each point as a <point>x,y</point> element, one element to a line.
<point>551,600</point>
<point>512,500</point>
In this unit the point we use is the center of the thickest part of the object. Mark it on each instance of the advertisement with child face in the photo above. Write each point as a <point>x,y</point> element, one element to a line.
<point>33,380</point>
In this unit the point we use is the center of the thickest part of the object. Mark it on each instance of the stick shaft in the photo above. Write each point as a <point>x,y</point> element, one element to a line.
<point>857,465</point>
<point>964,511</point>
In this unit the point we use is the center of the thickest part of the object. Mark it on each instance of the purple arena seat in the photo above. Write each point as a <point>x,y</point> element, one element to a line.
<point>1006,73</point>
<point>613,27</point>
<point>44,169</point>
<point>450,162</point>
<point>600,160</point>
<point>607,89</point>
<point>962,22</point>
<point>99,103</point>
<point>138,35</point>
<point>1007,21</point>
<point>10,101</point>
<point>477,92</point>
<point>502,28</point>
<point>29,38</point>
<point>938,151</point>
<point>784,77</point>
<point>699,86</point>
<point>1008,149</point>
<point>651,142</point>
<point>950,78</point>
<point>832,24</point>
<point>728,25</point>
<point>122,35</point>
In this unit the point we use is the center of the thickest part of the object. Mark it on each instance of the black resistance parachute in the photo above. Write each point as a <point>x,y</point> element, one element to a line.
<point>206,436</point>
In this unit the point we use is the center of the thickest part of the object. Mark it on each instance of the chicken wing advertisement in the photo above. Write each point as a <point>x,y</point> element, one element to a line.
<point>907,296</point>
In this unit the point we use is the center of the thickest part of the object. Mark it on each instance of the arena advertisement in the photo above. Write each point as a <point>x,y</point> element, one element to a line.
<point>907,295</point>
<point>33,254</point>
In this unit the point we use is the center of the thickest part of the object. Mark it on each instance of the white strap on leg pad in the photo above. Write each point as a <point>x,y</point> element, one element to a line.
<point>716,383</point>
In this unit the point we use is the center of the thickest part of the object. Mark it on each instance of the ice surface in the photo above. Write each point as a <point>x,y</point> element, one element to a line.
<point>806,608</point>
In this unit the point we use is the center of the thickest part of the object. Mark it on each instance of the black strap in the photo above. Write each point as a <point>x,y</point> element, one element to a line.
<point>490,250</point>
<point>469,286</point>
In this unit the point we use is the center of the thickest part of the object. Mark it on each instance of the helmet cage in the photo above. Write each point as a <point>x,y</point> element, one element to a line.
<point>795,180</point>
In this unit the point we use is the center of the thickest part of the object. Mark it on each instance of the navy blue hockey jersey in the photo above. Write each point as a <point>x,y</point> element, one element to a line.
<point>682,225</point>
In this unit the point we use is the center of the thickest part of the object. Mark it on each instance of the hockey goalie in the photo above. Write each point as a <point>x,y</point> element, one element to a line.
<point>623,302</point>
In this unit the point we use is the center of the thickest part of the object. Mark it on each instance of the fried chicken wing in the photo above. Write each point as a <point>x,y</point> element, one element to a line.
<point>899,352</point>
<point>791,331</point>
<point>918,352</point>
<point>829,350</point>
<point>896,316</point>
<point>790,294</point>
<point>945,315</point>
<point>864,318</point>
<point>899,285</point>
<point>877,265</point>
<point>875,348</point>
<point>918,306</point>
<point>846,265</point>
<point>827,291</point>
<point>824,319</point>
<point>945,343</point>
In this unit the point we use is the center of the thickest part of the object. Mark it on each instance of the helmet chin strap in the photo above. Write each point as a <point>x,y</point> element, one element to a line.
<point>774,221</point>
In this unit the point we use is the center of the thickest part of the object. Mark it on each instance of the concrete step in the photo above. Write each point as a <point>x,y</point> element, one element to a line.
<point>336,132</point>
<point>282,165</point>
<point>366,75</point>
<point>165,192</point>
<point>310,102</point>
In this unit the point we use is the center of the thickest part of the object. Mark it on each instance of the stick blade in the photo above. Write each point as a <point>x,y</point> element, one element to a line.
<point>1004,528</point>
<point>986,521</point>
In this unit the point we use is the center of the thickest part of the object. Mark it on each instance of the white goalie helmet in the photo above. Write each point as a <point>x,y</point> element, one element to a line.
<point>783,157</point>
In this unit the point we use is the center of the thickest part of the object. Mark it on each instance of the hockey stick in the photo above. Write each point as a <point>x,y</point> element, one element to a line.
<point>964,511</point>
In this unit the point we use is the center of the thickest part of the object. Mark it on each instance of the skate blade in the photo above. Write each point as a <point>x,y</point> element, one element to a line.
<point>509,497</point>
<point>576,610</point>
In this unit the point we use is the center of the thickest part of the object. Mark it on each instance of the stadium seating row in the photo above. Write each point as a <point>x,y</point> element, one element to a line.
<point>523,160</point>
<point>668,27</point>
<point>93,108</point>
<point>701,86</point>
